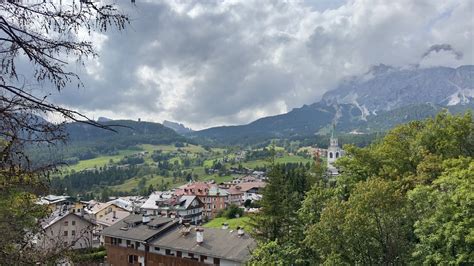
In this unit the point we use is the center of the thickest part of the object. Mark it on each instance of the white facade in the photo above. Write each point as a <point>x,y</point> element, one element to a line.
<point>334,153</point>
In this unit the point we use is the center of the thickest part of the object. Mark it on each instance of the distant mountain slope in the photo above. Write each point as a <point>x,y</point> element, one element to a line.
<point>386,88</point>
<point>376,101</point>
<point>127,131</point>
<point>177,127</point>
<point>304,120</point>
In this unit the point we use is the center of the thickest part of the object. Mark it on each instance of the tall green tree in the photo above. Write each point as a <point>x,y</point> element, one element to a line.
<point>445,227</point>
<point>44,36</point>
<point>372,227</point>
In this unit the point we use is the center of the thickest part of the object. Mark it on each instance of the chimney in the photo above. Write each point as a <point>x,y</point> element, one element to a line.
<point>225,226</point>
<point>199,235</point>
<point>145,218</point>
<point>114,214</point>
<point>240,231</point>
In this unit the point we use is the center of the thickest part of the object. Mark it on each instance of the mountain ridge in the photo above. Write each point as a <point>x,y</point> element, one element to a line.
<point>364,103</point>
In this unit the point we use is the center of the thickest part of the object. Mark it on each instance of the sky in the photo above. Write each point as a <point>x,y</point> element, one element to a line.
<point>210,63</point>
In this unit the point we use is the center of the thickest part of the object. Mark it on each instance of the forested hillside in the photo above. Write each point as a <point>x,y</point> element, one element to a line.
<point>87,142</point>
<point>406,199</point>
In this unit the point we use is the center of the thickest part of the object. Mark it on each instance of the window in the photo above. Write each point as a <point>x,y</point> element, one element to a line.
<point>73,222</point>
<point>115,241</point>
<point>330,155</point>
<point>132,258</point>
<point>168,252</point>
<point>137,244</point>
<point>191,255</point>
<point>66,223</point>
<point>157,248</point>
<point>65,233</point>
<point>337,154</point>
<point>73,232</point>
<point>179,254</point>
<point>203,258</point>
<point>217,261</point>
<point>128,243</point>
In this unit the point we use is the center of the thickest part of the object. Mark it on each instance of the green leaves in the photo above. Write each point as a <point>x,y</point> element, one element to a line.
<point>407,199</point>
<point>446,215</point>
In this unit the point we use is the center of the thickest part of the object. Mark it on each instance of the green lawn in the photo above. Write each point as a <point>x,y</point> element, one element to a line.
<point>132,183</point>
<point>100,161</point>
<point>217,178</point>
<point>233,223</point>
<point>168,148</point>
<point>284,159</point>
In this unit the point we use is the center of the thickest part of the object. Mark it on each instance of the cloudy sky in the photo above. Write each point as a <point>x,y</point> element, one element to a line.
<point>206,63</point>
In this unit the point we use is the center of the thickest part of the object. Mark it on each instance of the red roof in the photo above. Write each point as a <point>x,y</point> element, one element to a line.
<point>196,188</point>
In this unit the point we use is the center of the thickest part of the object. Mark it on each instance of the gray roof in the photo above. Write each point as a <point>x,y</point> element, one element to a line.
<point>132,227</point>
<point>185,201</point>
<point>218,243</point>
<point>57,216</point>
<point>216,191</point>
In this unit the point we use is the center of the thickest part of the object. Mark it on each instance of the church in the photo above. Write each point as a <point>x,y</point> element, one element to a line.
<point>334,152</point>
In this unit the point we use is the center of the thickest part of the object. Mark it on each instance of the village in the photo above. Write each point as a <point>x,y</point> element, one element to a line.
<point>170,227</point>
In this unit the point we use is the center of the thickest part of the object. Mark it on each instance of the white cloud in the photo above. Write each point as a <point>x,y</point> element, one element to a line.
<point>208,63</point>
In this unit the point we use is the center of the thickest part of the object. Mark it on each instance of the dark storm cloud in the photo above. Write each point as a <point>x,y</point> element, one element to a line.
<point>443,47</point>
<point>206,63</point>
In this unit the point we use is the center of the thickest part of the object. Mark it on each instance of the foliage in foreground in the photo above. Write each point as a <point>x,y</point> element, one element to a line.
<point>407,199</point>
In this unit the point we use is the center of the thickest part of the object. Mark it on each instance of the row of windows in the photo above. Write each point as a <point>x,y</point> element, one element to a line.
<point>66,233</point>
<point>179,254</point>
<point>66,223</point>
<point>168,252</point>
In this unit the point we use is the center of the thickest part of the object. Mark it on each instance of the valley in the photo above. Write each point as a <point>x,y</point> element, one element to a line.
<point>148,167</point>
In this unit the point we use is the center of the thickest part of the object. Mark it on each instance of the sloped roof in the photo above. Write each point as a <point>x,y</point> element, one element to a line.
<point>50,199</point>
<point>98,206</point>
<point>132,227</point>
<point>57,216</point>
<point>216,191</point>
<point>185,201</point>
<point>150,203</point>
<point>246,186</point>
<point>112,217</point>
<point>219,243</point>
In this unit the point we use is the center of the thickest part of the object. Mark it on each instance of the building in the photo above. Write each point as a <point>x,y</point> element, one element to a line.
<point>56,203</point>
<point>107,220</point>
<point>334,152</point>
<point>213,197</point>
<point>235,195</point>
<point>99,209</point>
<point>157,203</point>
<point>217,199</point>
<point>153,240</point>
<point>66,230</point>
<point>189,209</point>
<point>204,246</point>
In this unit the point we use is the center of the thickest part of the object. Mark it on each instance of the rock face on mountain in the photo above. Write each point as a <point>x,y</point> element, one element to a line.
<point>385,88</point>
<point>177,127</point>
<point>382,98</point>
